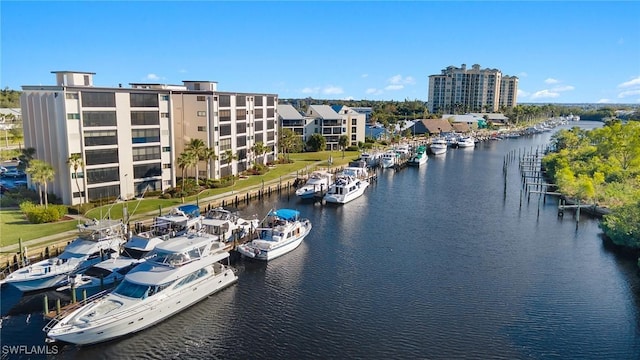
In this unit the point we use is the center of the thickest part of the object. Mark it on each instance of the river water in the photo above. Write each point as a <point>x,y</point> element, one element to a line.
<point>438,262</point>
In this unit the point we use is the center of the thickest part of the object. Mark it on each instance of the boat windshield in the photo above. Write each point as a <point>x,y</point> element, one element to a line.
<point>176,259</point>
<point>137,291</point>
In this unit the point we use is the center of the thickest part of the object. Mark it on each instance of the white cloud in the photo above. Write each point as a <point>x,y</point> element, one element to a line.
<point>629,93</point>
<point>551,81</point>
<point>373,91</point>
<point>523,74</point>
<point>364,75</point>
<point>348,98</point>
<point>399,80</point>
<point>522,93</point>
<point>152,77</point>
<point>394,87</point>
<point>309,90</point>
<point>631,83</point>
<point>544,94</point>
<point>333,90</point>
<point>603,101</point>
<point>562,88</point>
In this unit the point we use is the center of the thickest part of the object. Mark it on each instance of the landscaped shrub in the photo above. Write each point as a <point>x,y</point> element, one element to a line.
<point>38,214</point>
<point>352,148</point>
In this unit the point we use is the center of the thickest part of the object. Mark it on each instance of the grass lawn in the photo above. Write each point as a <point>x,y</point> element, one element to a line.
<point>13,225</point>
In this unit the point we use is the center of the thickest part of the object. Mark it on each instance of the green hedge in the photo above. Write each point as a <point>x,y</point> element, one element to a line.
<point>38,214</point>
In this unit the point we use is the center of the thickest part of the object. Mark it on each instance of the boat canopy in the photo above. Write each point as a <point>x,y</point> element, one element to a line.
<point>287,214</point>
<point>190,210</point>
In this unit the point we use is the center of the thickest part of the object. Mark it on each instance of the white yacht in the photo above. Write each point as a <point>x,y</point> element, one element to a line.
<point>318,182</point>
<point>179,220</point>
<point>350,184</point>
<point>372,159</point>
<point>97,240</point>
<point>439,146</point>
<point>466,142</point>
<point>419,157</point>
<point>226,223</point>
<point>284,232</point>
<point>185,270</point>
<point>389,159</point>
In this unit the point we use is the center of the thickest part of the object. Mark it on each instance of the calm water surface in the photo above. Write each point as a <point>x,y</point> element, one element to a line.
<point>433,262</point>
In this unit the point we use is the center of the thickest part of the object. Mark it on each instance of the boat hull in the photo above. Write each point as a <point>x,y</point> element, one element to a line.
<point>144,314</point>
<point>40,283</point>
<point>266,255</point>
<point>343,199</point>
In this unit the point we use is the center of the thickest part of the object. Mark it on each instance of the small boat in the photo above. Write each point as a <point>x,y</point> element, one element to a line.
<point>97,241</point>
<point>227,224</point>
<point>389,159</point>
<point>179,220</point>
<point>438,146</point>
<point>317,183</point>
<point>284,231</point>
<point>372,159</point>
<point>349,185</point>
<point>184,270</point>
<point>466,142</point>
<point>419,157</point>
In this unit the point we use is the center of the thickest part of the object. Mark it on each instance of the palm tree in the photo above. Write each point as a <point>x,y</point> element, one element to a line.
<point>259,149</point>
<point>75,162</point>
<point>229,156</point>
<point>186,160</point>
<point>343,141</point>
<point>208,155</point>
<point>198,147</point>
<point>41,172</point>
<point>25,157</point>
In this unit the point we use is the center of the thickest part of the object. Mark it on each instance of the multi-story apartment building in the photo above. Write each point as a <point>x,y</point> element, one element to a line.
<point>461,90</point>
<point>129,138</point>
<point>290,118</point>
<point>354,122</point>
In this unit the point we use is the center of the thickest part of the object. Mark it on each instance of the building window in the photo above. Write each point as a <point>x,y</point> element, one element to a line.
<point>145,153</point>
<point>99,118</point>
<point>353,137</point>
<point>353,129</point>
<point>259,138</point>
<point>241,141</point>
<point>166,149</point>
<point>270,100</point>
<point>241,101</point>
<point>202,128</point>
<point>103,156</point>
<point>225,101</point>
<point>259,114</point>
<point>270,136</point>
<point>143,99</point>
<point>164,115</point>
<point>241,114</point>
<point>140,136</point>
<point>108,192</point>
<point>258,100</point>
<point>270,113</point>
<point>241,128</point>
<point>71,96</point>
<point>270,124</point>
<point>95,138</point>
<point>225,130</point>
<point>225,144</point>
<point>77,175</point>
<point>98,99</point>
<point>73,116</point>
<point>201,113</point>
<point>166,166</point>
<point>144,118</point>
<point>96,176</point>
<point>200,98</point>
<point>259,125</point>
<point>147,170</point>
<point>354,121</point>
<point>77,194</point>
<point>225,115</point>
<point>164,97</point>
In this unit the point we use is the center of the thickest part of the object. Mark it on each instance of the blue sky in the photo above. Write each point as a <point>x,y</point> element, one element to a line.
<point>563,52</point>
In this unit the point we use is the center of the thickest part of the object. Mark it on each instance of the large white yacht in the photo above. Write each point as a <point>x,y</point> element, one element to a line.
<point>318,182</point>
<point>284,231</point>
<point>227,224</point>
<point>97,240</point>
<point>419,157</point>
<point>389,158</point>
<point>185,270</point>
<point>466,142</point>
<point>179,220</point>
<point>350,184</point>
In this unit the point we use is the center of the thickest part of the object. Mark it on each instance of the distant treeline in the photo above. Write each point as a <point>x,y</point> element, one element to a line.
<point>9,98</point>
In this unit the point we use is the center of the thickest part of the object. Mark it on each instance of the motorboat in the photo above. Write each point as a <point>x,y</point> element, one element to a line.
<point>419,157</point>
<point>179,221</point>
<point>466,142</point>
<point>389,159</point>
<point>184,270</point>
<point>349,185</point>
<point>372,159</point>
<point>97,241</point>
<point>439,146</point>
<point>317,183</point>
<point>109,273</point>
<point>284,231</point>
<point>227,224</point>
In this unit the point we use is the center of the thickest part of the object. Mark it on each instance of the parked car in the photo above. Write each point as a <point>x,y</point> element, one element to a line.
<point>14,174</point>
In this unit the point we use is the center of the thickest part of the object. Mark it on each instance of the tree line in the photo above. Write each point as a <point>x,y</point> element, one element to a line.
<point>602,167</point>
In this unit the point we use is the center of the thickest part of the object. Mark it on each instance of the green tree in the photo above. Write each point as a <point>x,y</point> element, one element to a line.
<point>228,157</point>
<point>25,157</point>
<point>317,142</point>
<point>199,149</point>
<point>289,141</point>
<point>185,161</point>
<point>343,142</point>
<point>41,173</point>
<point>75,163</point>
<point>259,149</point>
